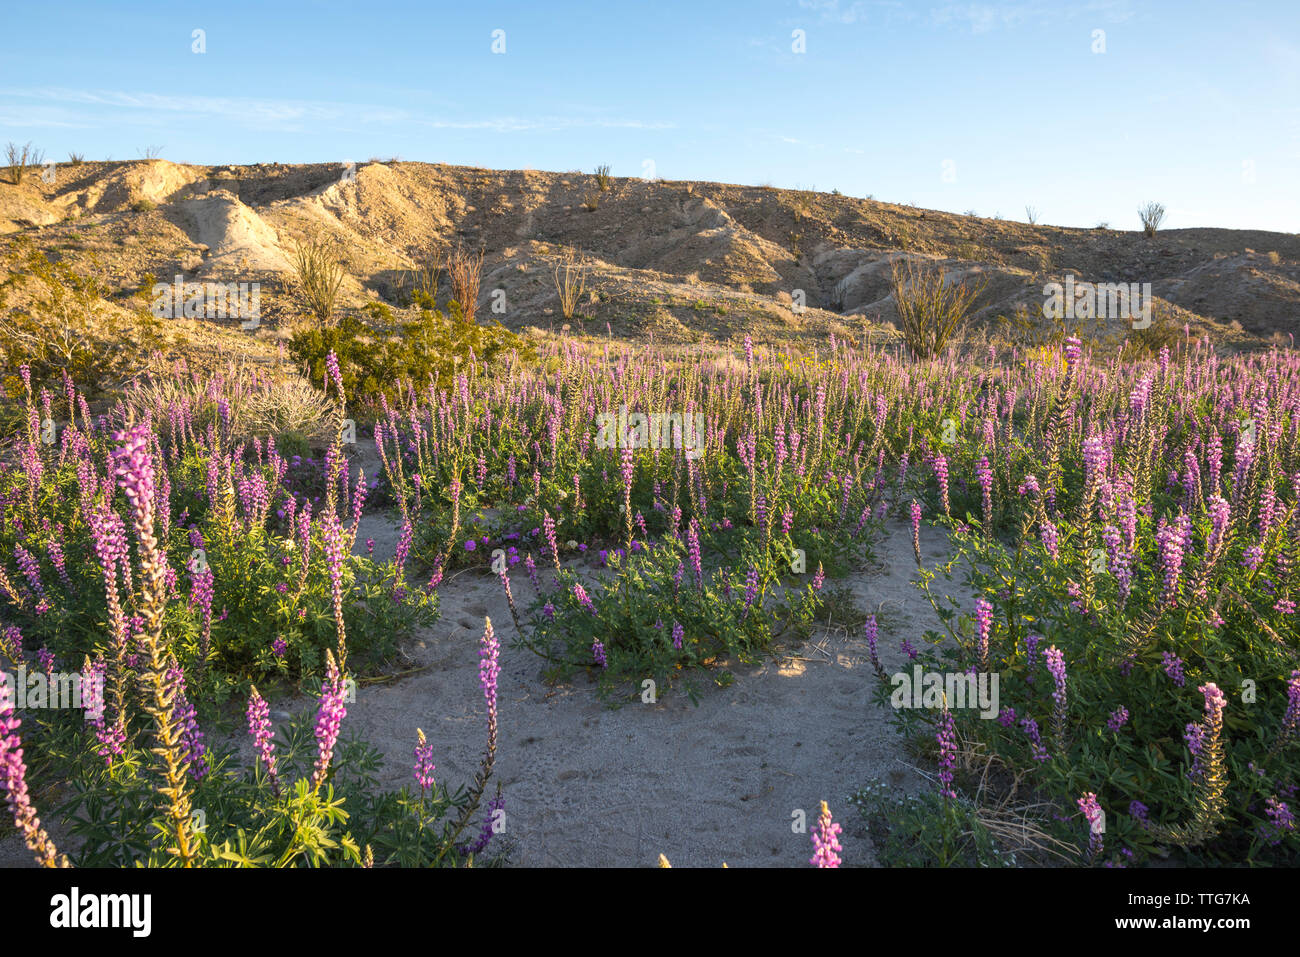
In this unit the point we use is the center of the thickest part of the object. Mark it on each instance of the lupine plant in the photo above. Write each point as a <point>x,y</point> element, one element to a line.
<point>1129,531</point>
<point>257,580</point>
<point>145,785</point>
<point>1133,540</point>
<point>667,513</point>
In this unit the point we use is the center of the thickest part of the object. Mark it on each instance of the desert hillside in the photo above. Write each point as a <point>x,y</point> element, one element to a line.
<point>677,261</point>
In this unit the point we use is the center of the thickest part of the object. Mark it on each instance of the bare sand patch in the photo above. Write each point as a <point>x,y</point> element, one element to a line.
<point>587,785</point>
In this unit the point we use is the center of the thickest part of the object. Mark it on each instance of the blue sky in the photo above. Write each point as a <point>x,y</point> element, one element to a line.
<point>957,106</point>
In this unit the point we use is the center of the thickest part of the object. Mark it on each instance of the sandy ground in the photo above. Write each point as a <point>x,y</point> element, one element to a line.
<point>586,785</point>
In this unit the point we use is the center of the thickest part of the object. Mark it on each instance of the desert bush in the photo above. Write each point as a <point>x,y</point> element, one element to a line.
<point>1031,215</point>
<point>246,402</point>
<point>318,275</point>
<point>603,180</point>
<point>1030,327</point>
<point>464,273</point>
<point>423,279</point>
<point>838,294</point>
<point>570,281</point>
<point>378,357</point>
<point>76,159</point>
<point>20,159</point>
<point>63,326</point>
<point>930,309</point>
<point>1151,215</point>
<point>1165,332</point>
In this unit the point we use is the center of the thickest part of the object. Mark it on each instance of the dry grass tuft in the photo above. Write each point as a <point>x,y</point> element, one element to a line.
<point>259,405</point>
<point>1014,824</point>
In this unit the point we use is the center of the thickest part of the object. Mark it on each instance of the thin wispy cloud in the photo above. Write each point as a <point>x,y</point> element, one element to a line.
<point>980,17</point>
<point>542,124</point>
<point>109,106</point>
<point>854,11</point>
<point>17,116</point>
<point>985,17</point>
<point>831,11</point>
<point>977,17</point>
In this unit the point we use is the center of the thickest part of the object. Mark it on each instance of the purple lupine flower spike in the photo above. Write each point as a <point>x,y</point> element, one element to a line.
<point>489,672</point>
<point>825,840</point>
<point>1092,813</point>
<point>13,782</point>
<point>424,766</point>
<point>947,738</point>
<point>330,713</point>
<point>259,727</point>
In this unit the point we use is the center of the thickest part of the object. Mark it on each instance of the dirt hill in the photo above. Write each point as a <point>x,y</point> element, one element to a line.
<point>682,261</point>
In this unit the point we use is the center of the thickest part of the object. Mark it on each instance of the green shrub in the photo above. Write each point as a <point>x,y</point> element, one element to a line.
<point>63,326</point>
<point>644,602</point>
<point>376,357</point>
